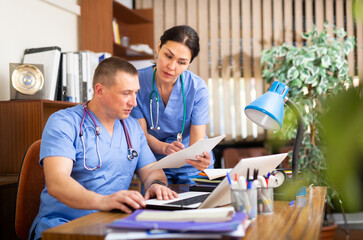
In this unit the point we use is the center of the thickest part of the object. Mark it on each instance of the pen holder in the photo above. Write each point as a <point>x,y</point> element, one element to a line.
<point>265,200</point>
<point>245,201</point>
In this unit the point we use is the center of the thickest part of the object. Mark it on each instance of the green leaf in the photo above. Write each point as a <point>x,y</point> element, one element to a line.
<point>305,35</point>
<point>340,33</point>
<point>296,83</point>
<point>343,72</point>
<point>297,61</point>
<point>310,80</point>
<point>305,74</point>
<point>321,51</point>
<point>315,70</point>
<point>348,46</point>
<point>293,73</point>
<point>325,61</point>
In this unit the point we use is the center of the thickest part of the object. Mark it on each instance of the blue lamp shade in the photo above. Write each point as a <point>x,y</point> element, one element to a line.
<point>267,111</point>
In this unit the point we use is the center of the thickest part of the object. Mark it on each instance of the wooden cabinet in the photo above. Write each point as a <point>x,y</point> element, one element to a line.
<point>97,33</point>
<point>21,124</point>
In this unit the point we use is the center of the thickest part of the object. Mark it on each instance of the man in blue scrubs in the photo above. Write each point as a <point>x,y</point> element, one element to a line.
<point>94,173</point>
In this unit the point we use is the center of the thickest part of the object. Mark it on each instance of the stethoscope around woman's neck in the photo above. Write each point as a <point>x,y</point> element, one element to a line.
<point>131,154</point>
<point>179,136</point>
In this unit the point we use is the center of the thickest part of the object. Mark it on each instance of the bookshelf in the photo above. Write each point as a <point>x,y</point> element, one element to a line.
<point>97,33</point>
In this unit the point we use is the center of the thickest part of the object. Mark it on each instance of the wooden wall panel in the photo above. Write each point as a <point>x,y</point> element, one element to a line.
<point>339,13</point>
<point>329,16</point>
<point>288,21</point>
<point>267,28</point>
<point>319,14</point>
<point>350,32</point>
<point>181,12</point>
<point>214,58</point>
<point>192,18</point>
<point>225,70</point>
<point>159,26</point>
<point>298,8</point>
<point>169,14</point>
<point>236,69</point>
<point>278,22</point>
<point>309,20</point>
<point>246,54</point>
<point>203,39</point>
<point>257,49</point>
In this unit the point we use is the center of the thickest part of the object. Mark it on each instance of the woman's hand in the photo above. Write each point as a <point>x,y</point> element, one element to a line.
<point>173,147</point>
<point>202,163</point>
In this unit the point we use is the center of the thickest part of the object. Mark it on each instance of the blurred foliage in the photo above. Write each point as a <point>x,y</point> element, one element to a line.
<point>343,138</point>
<point>314,73</point>
<point>358,10</point>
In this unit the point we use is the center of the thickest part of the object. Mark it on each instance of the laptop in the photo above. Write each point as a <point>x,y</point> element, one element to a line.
<point>221,195</point>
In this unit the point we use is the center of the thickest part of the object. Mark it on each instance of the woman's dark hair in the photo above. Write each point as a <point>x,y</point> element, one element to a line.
<point>182,34</point>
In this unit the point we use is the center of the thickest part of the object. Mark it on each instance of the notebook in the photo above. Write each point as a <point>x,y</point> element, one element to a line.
<point>221,195</point>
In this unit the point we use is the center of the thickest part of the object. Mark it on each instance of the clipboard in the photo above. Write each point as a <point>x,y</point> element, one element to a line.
<point>177,159</point>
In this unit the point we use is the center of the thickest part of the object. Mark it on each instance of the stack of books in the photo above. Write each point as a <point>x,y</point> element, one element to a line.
<point>208,179</point>
<point>211,223</point>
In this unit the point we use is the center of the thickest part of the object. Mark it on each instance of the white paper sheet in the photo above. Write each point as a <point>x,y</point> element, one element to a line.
<point>177,159</point>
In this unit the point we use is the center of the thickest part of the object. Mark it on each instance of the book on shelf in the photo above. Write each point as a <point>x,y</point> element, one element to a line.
<point>116,31</point>
<point>50,58</point>
<point>77,74</point>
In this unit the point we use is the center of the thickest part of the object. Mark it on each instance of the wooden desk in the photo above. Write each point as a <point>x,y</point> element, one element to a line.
<point>288,222</point>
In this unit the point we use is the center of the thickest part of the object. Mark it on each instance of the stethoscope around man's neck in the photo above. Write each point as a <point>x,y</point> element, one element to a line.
<point>131,154</point>
<point>179,136</point>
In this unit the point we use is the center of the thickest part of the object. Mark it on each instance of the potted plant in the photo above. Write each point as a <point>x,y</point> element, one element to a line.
<point>313,72</point>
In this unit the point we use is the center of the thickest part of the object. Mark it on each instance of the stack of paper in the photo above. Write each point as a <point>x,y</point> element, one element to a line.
<point>202,223</point>
<point>178,159</point>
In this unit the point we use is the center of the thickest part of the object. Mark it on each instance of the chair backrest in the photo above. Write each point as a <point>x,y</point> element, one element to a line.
<point>232,156</point>
<point>31,184</point>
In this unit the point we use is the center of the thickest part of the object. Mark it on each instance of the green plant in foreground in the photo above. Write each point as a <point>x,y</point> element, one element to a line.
<point>312,72</point>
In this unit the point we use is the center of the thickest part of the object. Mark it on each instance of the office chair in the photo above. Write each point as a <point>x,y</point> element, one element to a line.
<point>31,183</point>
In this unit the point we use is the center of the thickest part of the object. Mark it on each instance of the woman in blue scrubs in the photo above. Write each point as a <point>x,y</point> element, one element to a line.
<point>178,100</point>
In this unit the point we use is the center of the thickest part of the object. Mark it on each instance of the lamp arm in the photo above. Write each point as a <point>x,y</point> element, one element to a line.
<point>298,139</point>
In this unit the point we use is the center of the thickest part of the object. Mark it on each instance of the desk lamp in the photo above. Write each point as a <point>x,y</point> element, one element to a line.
<point>267,111</point>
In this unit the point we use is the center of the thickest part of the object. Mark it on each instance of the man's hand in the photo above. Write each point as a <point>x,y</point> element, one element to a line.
<point>173,147</point>
<point>202,163</point>
<point>123,200</point>
<point>161,192</point>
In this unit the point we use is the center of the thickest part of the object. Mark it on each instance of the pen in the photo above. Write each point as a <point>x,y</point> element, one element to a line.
<point>242,182</point>
<point>229,179</point>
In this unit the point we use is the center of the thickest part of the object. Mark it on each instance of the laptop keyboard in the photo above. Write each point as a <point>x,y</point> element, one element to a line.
<point>191,200</point>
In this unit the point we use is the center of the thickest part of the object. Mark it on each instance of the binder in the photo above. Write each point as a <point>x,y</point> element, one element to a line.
<point>130,223</point>
<point>50,58</point>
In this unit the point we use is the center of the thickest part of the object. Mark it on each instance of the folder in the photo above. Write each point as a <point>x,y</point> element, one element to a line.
<point>130,222</point>
<point>50,58</point>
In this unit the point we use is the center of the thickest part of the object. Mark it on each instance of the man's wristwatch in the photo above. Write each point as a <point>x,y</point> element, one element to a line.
<point>158,182</point>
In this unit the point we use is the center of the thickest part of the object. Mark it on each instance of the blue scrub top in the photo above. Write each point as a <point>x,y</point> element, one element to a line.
<point>61,138</point>
<point>171,115</point>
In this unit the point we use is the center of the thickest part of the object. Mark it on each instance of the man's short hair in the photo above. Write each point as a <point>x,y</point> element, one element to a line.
<point>108,68</point>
